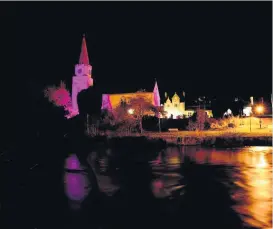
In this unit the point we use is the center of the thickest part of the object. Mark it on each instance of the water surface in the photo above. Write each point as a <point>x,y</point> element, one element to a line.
<point>194,187</point>
<point>179,187</point>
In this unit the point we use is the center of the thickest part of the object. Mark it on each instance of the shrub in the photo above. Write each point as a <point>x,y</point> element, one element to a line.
<point>207,125</point>
<point>197,122</point>
<point>231,122</point>
<point>231,125</point>
<point>60,97</point>
<point>192,125</point>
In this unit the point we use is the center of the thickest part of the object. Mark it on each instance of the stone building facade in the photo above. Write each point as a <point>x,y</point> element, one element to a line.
<point>175,108</point>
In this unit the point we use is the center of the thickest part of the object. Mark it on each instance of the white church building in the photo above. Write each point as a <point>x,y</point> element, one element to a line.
<point>83,76</point>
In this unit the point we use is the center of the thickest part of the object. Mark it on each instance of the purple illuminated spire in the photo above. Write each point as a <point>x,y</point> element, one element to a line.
<point>84,54</point>
<point>156,95</point>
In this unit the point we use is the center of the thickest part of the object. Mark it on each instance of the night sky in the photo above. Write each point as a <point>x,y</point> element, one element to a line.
<point>204,48</point>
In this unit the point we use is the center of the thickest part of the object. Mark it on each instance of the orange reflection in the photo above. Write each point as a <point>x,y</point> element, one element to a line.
<point>253,176</point>
<point>262,162</point>
<point>256,189</point>
<point>260,192</point>
<point>173,157</point>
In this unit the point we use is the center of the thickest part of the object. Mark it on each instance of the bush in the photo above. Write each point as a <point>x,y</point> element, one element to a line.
<point>231,125</point>
<point>224,123</point>
<point>198,120</point>
<point>166,124</point>
<point>150,123</point>
<point>207,125</point>
<point>192,125</point>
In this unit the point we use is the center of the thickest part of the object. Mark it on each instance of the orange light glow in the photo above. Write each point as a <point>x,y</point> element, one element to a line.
<point>260,109</point>
<point>131,111</point>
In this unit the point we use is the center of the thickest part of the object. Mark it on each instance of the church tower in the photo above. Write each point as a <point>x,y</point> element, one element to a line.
<point>83,76</point>
<point>156,95</point>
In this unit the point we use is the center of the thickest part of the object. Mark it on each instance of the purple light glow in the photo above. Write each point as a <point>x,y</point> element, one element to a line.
<point>156,95</point>
<point>76,186</point>
<point>73,163</point>
<point>76,183</point>
<point>106,103</point>
<point>60,97</point>
<point>157,187</point>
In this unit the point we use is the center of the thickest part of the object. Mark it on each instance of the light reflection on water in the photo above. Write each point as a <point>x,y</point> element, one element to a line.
<point>252,175</point>
<point>76,183</point>
<point>249,170</point>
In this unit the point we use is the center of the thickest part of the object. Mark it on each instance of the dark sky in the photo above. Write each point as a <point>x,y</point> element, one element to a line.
<point>203,48</point>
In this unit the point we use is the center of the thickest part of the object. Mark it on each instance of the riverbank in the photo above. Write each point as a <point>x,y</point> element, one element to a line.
<point>216,138</point>
<point>228,138</point>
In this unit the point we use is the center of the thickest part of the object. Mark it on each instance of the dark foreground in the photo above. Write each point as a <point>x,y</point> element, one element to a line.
<point>186,187</point>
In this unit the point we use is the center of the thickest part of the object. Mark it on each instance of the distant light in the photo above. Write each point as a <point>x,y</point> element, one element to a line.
<point>247,111</point>
<point>131,111</point>
<point>229,112</point>
<point>252,100</point>
<point>260,109</point>
<point>262,162</point>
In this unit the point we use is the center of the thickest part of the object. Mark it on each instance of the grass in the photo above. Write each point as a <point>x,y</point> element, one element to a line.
<point>213,133</point>
<point>233,137</point>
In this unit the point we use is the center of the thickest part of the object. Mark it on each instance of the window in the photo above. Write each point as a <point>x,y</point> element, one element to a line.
<point>175,105</point>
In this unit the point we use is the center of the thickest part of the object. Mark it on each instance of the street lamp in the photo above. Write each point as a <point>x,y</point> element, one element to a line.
<point>260,110</point>
<point>131,111</point>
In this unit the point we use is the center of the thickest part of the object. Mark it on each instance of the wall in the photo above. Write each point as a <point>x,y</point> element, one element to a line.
<point>115,99</point>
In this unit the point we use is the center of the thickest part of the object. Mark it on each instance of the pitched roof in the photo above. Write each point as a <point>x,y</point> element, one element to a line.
<point>84,54</point>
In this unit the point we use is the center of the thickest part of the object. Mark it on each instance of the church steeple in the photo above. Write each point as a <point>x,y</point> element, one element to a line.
<point>84,54</point>
<point>83,75</point>
<point>156,95</point>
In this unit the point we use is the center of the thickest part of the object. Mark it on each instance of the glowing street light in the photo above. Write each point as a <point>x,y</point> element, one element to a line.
<point>260,110</point>
<point>131,111</point>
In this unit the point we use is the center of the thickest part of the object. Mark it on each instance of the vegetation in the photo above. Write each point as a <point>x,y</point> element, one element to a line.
<point>131,119</point>
<point>128,117</point>
<point>60,97</point>
<point>199,121</point>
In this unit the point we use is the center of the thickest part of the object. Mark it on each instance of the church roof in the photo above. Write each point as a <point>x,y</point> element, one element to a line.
<point>175,96</point>
<point>115,99</point>
<point>84,54</point>
<point>131,93</point>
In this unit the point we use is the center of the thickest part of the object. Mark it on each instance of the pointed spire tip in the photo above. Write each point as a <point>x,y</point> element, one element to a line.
<point>84,54</point>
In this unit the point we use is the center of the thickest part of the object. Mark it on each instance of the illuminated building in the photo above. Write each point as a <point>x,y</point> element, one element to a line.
<point>175,108</point>
<point>247,111</point>
<point>83,78</point>
<point>112,101</point>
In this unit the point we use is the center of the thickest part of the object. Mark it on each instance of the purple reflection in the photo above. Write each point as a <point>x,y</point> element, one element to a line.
<point>73,163</point>
<point>76,186</point>
<point>76,182</point>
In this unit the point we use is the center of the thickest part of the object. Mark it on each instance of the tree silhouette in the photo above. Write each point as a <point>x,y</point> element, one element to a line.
<point>132,113</point>
<point>60,97</point>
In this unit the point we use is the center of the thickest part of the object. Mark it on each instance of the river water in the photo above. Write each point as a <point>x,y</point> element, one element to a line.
<point>179,187</point>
